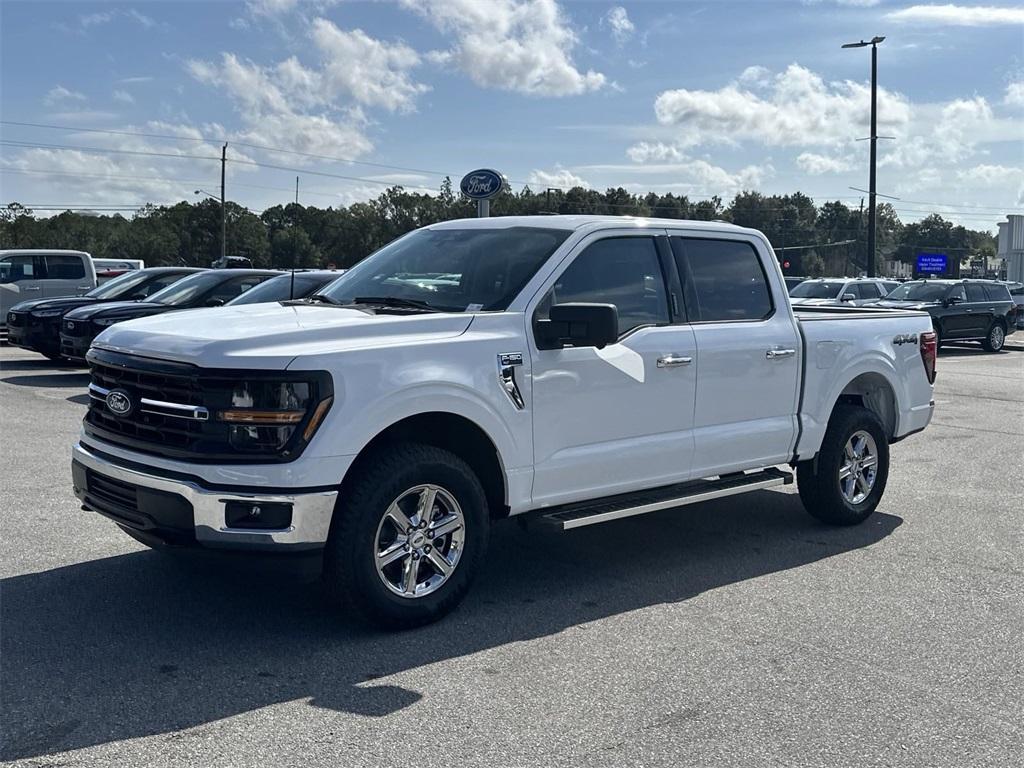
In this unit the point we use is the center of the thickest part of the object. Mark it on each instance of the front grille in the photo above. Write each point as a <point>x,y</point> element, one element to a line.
<point>16,319</point>
<point>75,327</point>
<point>113,495</point>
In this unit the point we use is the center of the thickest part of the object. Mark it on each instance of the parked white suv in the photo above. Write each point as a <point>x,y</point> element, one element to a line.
<point>41,274</point>
<point>827,291</point>
<point>573,368</point>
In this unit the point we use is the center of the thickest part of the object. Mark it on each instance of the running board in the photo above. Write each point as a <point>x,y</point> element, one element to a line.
<point>583,513</point>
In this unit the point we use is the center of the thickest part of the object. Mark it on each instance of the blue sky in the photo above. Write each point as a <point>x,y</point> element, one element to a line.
<point>699,98</point>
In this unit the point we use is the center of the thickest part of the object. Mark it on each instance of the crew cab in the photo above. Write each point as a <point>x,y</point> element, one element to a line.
<point>208,288</point>
<point>961,310</point>
<point>572,369</point>
<point>35,324</point>
<point>40,274</point>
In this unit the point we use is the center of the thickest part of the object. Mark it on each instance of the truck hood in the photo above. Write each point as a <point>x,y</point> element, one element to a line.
<point>270,336</point>
<point>58,302</point>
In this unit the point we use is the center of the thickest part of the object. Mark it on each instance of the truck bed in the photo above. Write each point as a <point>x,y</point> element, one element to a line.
<point>806,314</point>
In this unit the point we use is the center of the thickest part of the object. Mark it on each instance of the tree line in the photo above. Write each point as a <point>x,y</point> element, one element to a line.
<point>293,235</point>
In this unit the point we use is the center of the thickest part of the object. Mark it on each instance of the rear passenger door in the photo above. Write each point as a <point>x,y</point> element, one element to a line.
<point>978,310</point>
<point>65,275</point>
<point>748,354</point>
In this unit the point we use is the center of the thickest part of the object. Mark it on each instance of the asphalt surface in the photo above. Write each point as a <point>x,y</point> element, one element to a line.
<point>737,633</point>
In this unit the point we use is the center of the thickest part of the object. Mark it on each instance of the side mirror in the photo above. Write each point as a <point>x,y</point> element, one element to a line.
<point>949,301</point>
<point>579,325</point>
<point>215,302</point>
<point>847,297</point>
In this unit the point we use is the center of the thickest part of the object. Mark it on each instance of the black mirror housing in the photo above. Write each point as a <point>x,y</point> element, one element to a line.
<point>215,302</point>
<point>848,297</point>
<point>579,325</point>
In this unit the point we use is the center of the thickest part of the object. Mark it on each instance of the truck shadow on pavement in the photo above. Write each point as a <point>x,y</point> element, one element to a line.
<point>77,380</point>
<point>147,643</point>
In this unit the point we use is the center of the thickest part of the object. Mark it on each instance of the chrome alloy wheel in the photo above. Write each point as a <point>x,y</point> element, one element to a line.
<point>997,337</point>
<point>859,468</point>
<point>419,541</point>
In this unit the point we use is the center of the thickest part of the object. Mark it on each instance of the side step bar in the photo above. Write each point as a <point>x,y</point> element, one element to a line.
<point>578,514</point>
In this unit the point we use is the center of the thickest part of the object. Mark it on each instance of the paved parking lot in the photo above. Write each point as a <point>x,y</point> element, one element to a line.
<point>741,632</point>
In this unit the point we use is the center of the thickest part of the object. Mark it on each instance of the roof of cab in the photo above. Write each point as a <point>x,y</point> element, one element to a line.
<point>573,222</point>
<point>42,251</point>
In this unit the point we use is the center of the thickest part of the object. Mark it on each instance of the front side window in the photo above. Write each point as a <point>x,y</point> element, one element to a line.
<point>284,288</point>
<point>975,292</point>
<point>452,270</point>
<point>956,292</point>
<point>230,289</point>
<point>866,291</point>
<point>818,289</point>
<point>624,271</point>
<point>61,267</point>
<point>187,289</point>
<point>727,280</point>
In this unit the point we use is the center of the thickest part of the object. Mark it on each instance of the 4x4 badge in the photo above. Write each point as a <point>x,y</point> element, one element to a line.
<point>905,338</point>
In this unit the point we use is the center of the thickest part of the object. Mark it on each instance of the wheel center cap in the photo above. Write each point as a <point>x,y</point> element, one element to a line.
<point>417,539</point>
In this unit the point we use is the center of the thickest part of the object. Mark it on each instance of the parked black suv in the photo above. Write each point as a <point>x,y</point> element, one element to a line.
<point>35,324</point>
<point>971,310</point>
<point>210,288</point>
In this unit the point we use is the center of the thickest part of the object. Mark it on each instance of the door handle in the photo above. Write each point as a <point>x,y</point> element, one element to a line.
<point>85,287</point>
<point>673,361</point>
<point>776,354</point>
<point>32,288</point>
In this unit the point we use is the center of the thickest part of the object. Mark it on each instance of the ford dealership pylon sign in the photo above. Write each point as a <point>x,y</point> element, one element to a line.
<point>481,185</point>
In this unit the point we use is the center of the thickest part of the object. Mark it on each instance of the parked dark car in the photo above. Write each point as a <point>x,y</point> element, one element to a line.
<point>962,310</point>
<point>288,286</point>
<point>35,324</point>
<point>212,288</point>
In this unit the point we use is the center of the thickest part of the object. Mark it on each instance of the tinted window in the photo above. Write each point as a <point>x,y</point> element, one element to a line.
<point>189,288</point>
<point>60,267</point>
<point>997,293</point>
<point>815,289</point>
<point>867,291</point>
<point>281,288</point>
<point>957,292</point>
<point>975,292</point>
<point>229,289</point>
<point>727,280</point>
<point>15,268</point>
<point>455,270</point>
<point>919,291</point>
<point>624,271</point>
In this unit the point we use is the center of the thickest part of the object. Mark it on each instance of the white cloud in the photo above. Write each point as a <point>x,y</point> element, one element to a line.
<point>815,164</point>
<point>515,45</point>
<point>755,76</point>
<point>124,97</point>
<point>656,151</point>
<point>618,21</point>
<point>270,7</point>
<point>95,19</point>
<point>559,177</point>
<point>853,3</point>
<point>992,175</point>
<point>61,95</point>
<point>105,17</point>
<point>950,15</point>
<point>1014,94</point>
<point>798,108</point>
<point>695,176</point>
<point>133,80</point>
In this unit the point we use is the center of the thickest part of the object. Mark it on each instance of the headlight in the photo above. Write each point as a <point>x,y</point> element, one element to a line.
<point>48,313</point>
<point>105,321</point>
<point>264,415</point>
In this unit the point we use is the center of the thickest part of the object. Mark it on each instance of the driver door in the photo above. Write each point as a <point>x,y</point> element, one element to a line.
<point>620,418</point>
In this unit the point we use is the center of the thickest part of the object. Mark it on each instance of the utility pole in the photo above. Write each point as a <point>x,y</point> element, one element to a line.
<point>873,139</point>
<point>223,215</point>
<point>296,190</point>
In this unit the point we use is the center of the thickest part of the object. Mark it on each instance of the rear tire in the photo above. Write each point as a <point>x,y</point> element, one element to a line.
<point>398,566</point>
<point>995,339</point>
<point>844,483</point>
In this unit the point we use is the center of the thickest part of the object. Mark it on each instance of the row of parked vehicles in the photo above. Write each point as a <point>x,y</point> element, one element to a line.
<point>64,326</point>
<point>567,370</point>
<point>961,310</point>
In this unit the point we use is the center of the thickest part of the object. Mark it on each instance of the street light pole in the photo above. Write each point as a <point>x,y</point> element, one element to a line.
<point>223,216</point>
<point>873,139</point>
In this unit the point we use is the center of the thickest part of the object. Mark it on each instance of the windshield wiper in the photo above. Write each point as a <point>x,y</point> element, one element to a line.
<point>322,298</point>
<point>395,301</point>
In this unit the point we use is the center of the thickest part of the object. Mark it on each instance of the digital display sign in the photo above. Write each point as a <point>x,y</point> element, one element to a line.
<point>932,263</point>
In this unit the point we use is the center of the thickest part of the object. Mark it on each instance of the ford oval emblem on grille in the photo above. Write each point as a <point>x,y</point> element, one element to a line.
<point>119,403</point>
<point>70,325</point>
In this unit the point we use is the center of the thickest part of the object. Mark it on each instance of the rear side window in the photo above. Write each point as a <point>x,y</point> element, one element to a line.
<point>975,292</point>
<point>624,271</point>
<point>725,280</point>
<point>61,267</point>
<point>997,293</point>
<point>16,268</point>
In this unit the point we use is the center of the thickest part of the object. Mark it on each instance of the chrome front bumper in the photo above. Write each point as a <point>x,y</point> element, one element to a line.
<point>311,511</point>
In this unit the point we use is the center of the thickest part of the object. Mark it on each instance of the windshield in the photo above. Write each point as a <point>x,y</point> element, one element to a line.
<point>122,285</point>
<point>454,270</point>
<point>919,292</point>
<point>814,290</point>
<point>189,288</point>
<point>280,288</point>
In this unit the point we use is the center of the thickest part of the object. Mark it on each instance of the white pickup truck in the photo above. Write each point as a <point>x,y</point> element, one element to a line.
<point>577,369</point>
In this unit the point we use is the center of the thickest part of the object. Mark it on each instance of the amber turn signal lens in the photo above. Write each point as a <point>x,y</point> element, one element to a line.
<point>318,416</point>
<point>261,418</point>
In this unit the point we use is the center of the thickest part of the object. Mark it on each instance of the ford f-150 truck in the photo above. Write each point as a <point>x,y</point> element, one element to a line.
<point>575,369</point>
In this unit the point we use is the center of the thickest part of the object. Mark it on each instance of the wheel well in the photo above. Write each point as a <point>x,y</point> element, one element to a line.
<point>453,433</point>
<point>873,391</point>
<point>1001,322</point>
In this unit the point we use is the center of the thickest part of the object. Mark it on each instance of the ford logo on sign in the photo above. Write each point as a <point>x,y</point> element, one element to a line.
<point>482,184</point>
<point>119,403</point>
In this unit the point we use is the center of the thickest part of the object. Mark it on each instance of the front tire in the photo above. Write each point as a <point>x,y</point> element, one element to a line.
<point>995,339</point>
<point>408,537</point>
<point>844,483</point>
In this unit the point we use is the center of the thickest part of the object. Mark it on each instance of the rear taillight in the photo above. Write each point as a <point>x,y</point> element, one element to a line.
<point>929,351</point>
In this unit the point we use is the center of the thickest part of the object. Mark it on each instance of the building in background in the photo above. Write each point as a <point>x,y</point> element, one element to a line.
<point>1011,246</point>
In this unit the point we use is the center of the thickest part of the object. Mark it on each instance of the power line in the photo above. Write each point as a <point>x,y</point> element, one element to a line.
<point>102,150</point>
